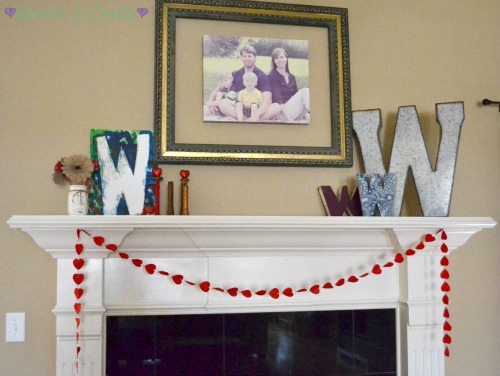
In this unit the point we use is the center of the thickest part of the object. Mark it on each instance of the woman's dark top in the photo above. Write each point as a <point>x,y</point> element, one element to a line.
<point>280,89</point>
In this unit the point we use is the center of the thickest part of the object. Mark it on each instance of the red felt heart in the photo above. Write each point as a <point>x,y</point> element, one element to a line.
<point>112,247</point>
<point>78,233</point>
<point>150,268</point>
<point>184,174</point>
<point>409,252</point>
<point>446,299</point>
<point>98,240</point>
<point>399,258</point>
<point>388,264</point>
<point>447,339</point>
<point>123,255</point>
<point>444,236</point>
<point>78,308</point>
<point>420,246</point>
<point>447,326</point>
<point>352,279</point>
<point>79,249</point>
<point>137,262</point>
<point>77,319</point>
<point>288,292</point>
<point>446,313</point>
<point>162,272</point>
<point>445,287</point>
<point>376,269</point>
<point>190,283</point>
<point>429,238</point>
<point>233,291</point>
<point>78,293</point>
<point>446,352</point>
<point>78,349</point>
<point>78,278</point>
<point>177,279</point>
<point>77,335</point>
<point>261,292</point>
<point>328,285</point>
<point>274,293</point>
<point>340,282</point>
<point>78,263</point>
<point>444,261</point>
<point>157,171</point>
<point>218,289</point>
<point>364,275</point>
<point>315,289</point>
<point>246,293</point>
<point>445,274</point>
<point>205,286</point>
<point>444,248</point>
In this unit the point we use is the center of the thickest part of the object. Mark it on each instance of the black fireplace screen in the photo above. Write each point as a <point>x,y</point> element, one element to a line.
<point>319,343</point>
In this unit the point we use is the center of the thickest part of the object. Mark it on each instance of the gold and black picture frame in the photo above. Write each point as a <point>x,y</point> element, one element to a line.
<point>181,134</point>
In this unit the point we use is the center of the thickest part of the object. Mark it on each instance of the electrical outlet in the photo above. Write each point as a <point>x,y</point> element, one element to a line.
<point>14,327</point>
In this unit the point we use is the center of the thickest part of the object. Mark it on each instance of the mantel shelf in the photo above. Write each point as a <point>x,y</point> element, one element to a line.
<point>221,234</point>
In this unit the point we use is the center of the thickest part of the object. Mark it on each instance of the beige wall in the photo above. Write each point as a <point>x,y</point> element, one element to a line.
<point>59,79</point>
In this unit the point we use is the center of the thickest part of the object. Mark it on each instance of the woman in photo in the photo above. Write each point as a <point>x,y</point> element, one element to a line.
<point>294,104</point>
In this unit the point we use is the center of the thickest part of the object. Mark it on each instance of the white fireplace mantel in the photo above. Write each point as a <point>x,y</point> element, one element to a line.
<point>249,253</point>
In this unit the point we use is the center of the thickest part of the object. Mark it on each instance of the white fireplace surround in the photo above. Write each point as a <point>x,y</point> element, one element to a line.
<point>249,253</point>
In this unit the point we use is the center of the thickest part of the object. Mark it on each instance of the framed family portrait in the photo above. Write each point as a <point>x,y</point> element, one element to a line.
<point>252,83</point>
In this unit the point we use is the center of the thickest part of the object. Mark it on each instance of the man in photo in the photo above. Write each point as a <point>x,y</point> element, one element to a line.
<point>265,111</point>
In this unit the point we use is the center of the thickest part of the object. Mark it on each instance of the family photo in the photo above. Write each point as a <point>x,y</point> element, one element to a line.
<point>257,80</point>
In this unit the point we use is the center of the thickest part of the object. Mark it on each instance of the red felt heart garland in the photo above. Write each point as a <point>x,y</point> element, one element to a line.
<point>274,293</point>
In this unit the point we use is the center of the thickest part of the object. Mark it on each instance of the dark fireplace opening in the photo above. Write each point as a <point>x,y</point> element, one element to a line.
<point>322,343</point>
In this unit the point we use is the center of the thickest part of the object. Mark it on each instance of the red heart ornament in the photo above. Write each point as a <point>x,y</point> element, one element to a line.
<point>177,279</point>
<point>446,352</point>
<point>445,287</point>
<point>328,285</point>
<point>78,278</point>
<point>420,246</point>
<point>340,282</point>
<point>409,252</point>
<point>77,319</point>
<point>77,335</point>
<point>274,293</point>
<point>98,240</point>
<point>112,247</point>
<point>190,283</point>
<point>184,174</point>
<point>78,308</point>
<point>376,269</point>
<point>78,349</point>
<point>150,268</point>
<point>162,272</point>
<point>364,275</point>
<point>315,289</point>
<point>288,292</point>
<point>352,279</point>
<point>233,291</point>
<point>447,326</point>
<point>137,262</point>
<point>78,293</point>
<point>123,255</point>
<point>444,261</point>
<point>246,293</point>
<point>388,264</point>
<point>446,299</point>
<point>446,313</point>
<point>444,248</point>
<point>399,258</point>
<point>157,172</point>
<point>78,263</point>
<point>218,289</point>
<point>445,274</point>
<point>429,238</point>
<point>79,249</point>
<point>444,236</point>
<point>447,339</point>
<point>261,292</point>
<point>205,286</point>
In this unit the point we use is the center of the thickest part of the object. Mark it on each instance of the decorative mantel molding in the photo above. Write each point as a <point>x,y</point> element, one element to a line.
<point>255,252</point>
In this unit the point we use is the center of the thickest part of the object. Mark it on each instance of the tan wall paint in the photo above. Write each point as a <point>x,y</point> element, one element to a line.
<point>59,79</point>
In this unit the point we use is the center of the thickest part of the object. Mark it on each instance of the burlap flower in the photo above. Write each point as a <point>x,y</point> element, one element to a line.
<point>76,169</point>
